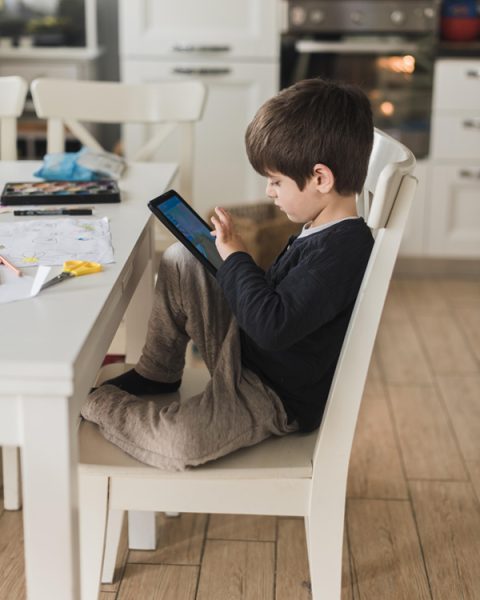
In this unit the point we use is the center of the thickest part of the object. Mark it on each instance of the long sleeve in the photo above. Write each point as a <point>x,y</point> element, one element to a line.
<point>293,318</point>
<point>278,314</point>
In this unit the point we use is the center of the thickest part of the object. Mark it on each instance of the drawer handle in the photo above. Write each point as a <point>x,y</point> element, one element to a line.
<point>201,71</point>
<point>201,48</point>
<point>467,174</point>
<point>472,124</point>
<point>473,74</point>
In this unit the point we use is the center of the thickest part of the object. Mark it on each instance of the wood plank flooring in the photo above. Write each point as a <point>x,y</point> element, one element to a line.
<point>413,508</point>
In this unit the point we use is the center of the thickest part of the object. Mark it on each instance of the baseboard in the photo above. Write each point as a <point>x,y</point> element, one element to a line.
<point>437,267</point>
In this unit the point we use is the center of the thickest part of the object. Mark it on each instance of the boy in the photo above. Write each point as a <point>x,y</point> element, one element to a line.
<point>271,339</point>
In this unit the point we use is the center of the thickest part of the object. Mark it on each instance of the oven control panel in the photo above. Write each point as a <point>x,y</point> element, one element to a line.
<point>372,16</point>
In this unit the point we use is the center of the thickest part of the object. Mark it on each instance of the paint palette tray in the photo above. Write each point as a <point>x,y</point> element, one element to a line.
<point>60,192</point>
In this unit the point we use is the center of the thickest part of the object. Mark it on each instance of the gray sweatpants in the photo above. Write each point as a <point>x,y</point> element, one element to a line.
<point>235,410</point>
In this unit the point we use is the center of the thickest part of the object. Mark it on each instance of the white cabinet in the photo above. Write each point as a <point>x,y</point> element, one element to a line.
<point>454,209</point>
<point>233,48</point>
<point>456,110</point>
<point>217,28</point>
<point>453,224</point>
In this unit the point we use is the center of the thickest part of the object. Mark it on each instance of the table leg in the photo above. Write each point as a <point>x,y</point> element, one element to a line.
<point>50,489</point>
<point>141,526</point>
<point>138,311</point>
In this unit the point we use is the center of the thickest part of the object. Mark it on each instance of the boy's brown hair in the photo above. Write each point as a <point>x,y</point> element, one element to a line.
<point>314,121</point>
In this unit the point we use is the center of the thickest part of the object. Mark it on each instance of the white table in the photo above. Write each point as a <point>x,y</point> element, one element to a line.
<point>51,348</point>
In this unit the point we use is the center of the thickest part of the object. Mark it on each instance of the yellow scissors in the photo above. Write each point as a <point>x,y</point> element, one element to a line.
<point>73,268</point>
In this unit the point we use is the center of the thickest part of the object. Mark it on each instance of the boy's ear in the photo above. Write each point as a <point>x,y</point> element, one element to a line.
<point>324,178</point>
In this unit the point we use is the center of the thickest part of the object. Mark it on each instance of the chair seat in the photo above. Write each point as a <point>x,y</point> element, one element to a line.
<point>277,457</point>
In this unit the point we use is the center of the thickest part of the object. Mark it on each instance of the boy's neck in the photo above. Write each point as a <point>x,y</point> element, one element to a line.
<point>336,207</point>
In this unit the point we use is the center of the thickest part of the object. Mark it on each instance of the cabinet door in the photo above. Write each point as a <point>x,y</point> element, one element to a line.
<point>192,28</point>
<point>454,209</point>
<point>222,173</point>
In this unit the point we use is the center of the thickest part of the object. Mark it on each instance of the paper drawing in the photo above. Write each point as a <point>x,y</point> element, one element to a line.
<point>51,242</point>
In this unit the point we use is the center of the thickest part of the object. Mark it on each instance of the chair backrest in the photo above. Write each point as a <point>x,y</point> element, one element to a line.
<point>389,190</point>
<point>13,91</point>
<point>165,106</point>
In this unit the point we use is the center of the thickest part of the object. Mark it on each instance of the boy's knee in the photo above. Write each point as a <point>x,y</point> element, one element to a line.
<point>177,255</point>
<point>174,252</point>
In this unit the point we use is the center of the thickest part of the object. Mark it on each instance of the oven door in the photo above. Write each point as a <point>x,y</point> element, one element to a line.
<point>395,72</point>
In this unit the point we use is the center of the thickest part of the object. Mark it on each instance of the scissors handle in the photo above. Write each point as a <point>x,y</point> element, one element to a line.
<point>81,267</point>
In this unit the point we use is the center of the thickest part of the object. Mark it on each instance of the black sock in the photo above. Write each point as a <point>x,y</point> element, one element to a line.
<point>134,383</point>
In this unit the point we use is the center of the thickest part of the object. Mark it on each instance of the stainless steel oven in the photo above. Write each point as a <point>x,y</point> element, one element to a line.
<point>385,46</point>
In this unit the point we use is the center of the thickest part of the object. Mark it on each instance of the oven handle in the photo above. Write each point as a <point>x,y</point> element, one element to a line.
<point>312,47</point>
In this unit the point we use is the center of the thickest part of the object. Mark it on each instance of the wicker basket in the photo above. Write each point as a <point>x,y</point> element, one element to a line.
<point>264,229</point>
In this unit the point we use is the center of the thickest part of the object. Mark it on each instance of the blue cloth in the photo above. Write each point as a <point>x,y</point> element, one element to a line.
<point>63,166</point>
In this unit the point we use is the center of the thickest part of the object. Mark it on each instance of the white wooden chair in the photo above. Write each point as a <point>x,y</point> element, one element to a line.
<point>162,107</point>
<point>13,91</point>
<point>300,474</point>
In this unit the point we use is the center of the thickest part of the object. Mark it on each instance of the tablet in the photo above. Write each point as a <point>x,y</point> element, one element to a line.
<point>188,227</point>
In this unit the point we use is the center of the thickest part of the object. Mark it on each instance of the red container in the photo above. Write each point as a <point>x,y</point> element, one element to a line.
<point>458,29</point>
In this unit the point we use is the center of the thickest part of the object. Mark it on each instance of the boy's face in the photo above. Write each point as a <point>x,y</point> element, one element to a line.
<point>300,206</point>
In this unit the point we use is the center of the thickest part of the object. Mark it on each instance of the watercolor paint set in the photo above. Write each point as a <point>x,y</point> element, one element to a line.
<point>60,192</point>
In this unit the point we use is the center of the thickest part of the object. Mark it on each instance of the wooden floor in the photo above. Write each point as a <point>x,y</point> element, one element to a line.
<point>413,511</point>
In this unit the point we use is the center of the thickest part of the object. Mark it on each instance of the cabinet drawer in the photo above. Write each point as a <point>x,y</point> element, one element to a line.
<point>456,136</point>
<point>457,85</point>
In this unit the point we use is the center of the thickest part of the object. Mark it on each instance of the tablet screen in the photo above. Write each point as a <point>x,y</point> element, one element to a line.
<point>188,227</point>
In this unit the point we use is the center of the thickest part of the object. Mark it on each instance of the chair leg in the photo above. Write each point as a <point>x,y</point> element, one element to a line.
<point>324,534</point>
<point>93,493</point>
<point>12,494</point>
<point>142,531</point>
<point>112,540</point>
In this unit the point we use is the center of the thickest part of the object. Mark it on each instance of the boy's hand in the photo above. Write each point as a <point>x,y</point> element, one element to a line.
<point>227,239</point>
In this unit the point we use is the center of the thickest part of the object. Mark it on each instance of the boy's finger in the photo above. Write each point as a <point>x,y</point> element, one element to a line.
<point>217,223</point>
<point>223,215</point>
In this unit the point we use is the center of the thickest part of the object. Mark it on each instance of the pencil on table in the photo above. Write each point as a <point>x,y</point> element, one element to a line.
<point>10,266</point>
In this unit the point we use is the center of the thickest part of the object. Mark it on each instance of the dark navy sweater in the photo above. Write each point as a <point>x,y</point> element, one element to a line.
<point>293,318</point>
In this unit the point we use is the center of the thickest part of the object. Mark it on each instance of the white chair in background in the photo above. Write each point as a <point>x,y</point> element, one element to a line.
<point>162,107</point>
<point>299,474</point>
<point>13,91</point>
